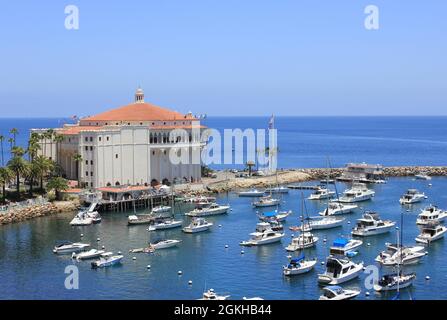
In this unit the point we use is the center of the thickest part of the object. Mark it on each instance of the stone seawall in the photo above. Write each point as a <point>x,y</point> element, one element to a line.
<point>34,211</point>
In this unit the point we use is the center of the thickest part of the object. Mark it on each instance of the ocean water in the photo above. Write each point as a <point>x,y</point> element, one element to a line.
<point>29,269</point>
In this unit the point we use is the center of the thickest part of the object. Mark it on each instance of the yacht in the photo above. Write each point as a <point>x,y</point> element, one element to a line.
<point>90,254</point>
<point>322,223</point>
<point>370,224</point>
<point>394,281</point>
<point>299,265</point>
<point>275,225</point>
<point>107,260</point>
<point>431,214</point>
<point>395,254</point>
<point>337,208</point>
<point>198,225</point>
<point>277,190</point>
<point>164,223</point>
<point>321,193</point>
<point>431,232</point>
<point>412,196</point>
<point>304,240</point>
<point>161,209</point>
<point>344,247</point>
<point>69,247</point>
<point>209,210</point>
<point>211,295</point>
<point>275,215</point>
<point>251,193</point>
<point>422,176</point>
<point>266,236</point>
<point>358,192</point>
<point>339,270</point>
<point>338,293</point>
<point>266,201</point>
<point>164,244</point>
<point>81,219</point>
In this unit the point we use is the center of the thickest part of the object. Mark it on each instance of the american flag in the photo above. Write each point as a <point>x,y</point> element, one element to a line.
<point>272,122</point>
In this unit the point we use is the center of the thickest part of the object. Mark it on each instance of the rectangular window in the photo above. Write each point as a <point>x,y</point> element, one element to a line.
<point>116,156</point>
<point>91,162</point>
<point>99,138</point>
<point>86,173</point>
<point>86,148</point>
<point>91,148</point>
<point>86,139</point>
<point>86,161</point>
<point>107,138</point>
<point>91,173</point>
<point>91,139</point>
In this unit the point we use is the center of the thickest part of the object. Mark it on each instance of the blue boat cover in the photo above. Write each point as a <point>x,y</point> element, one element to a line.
<point>340,242</point>
<point>270,214</point>
<point>301,257</point>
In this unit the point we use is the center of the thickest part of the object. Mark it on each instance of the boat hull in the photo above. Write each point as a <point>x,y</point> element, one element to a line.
<point>371,231</point>
<point>328,279</point>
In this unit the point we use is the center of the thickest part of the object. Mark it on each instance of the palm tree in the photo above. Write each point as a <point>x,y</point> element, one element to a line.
<point>32,174</point>
<point>20,167</point>
<point>14,132</point>
<point>11,142</point>
<point>50,135</point>
<point>78,158</point>
<point>6,177</point>
<point>18,151</point>
<point>44,166</point>
<point>58,138</point>
<point>57,184</point>
<point>2,138</point>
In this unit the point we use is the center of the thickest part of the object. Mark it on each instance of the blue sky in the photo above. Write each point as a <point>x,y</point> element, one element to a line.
<point>229,57</point>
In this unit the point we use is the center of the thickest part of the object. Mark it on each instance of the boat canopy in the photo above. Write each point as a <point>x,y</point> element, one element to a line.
<point>296,260</point>
<point>270,214</point>
<point>340,242</point>
<point>336,289</point>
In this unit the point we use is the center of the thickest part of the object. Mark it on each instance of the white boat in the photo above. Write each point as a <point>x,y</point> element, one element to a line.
<point>337,208</point>
<point>161,209</point>
<point>431,214</point>
<point>95,216</point>
<point>394,281</point>
<point>318,223</point>
<point>251,193</point>
<point>90,254</point>
<point>340,270</point>
<point>198,225</point>
<point>253,298</point>
<point>266,201</point>
<point>394,255</point>
<point>69,247</point>
<point>431,232</point>
<point>277,190</point>
<point>338,293</point>
<point>164,244</point>
<point>139,219</point>
<point>412,196</point>
<point>107,260</point>
<point>164,223</point>
<point>81,219</point>
<point>299,265</point>
<point>422,176</point>
<point>358,192</point>
<point>370,224</point>
<point>208,210</point>
<point>275,215</point>
<point>321,193</point>
<point>344,247</point>
<point>211,295</point>
<point>304,240</point>
<point>266,236</point>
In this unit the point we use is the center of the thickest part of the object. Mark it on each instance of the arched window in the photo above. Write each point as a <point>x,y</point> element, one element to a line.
<point>117,183</point>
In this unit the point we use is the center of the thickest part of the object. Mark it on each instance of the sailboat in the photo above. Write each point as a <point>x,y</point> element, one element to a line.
<point>162,223</point>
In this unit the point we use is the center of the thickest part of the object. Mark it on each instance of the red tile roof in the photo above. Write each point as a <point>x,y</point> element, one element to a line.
<point>138,112</point>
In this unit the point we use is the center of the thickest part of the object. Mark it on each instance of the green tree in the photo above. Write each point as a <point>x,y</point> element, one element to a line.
<point>44,167</point>
<point>78,158</point>
<point>11,144</point>
<point>57,184</point>
<point>14,132</point>
<point>20,167</point>
<point>58,138</point>
<point>2,138</point>
<point>6,176</point>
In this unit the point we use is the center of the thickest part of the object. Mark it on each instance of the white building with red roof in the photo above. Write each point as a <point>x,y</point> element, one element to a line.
<point>129,145</point>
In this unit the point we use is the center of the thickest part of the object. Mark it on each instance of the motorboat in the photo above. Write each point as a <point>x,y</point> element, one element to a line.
<point>164,223</point>
<point>81,219</point>
<point>321,193</point>
<point>277,190</point>
<point>304,240</point>
<point>394,281</point>
<point>266,201</point>
<point>95,216</point>
<point>200,199</point>
<point>209,210</point>
<point>412,196</point>
<point>404,255</point>
<point>431,232</point>
<point>148,249</point>
<point>358,192</point>
<point>299,265</point>
<point>251,193</point>
<point>69,247</point>
<point>139,219</point>
<point>371,224</point>
<point>107,260</point>
<point>422,176</point>
<point>338,293</point>
<point>340,270</point>
<point>276,225</point>
<point>431,214</point>
<point>275,215</point>
<point>197,225</point>
<point>266,236</point>
<point>164,244</point>
<point>160,209</point>
<point>345,247</point>
<point>211,295</point>
<point>90,254</point>
<point>318,223</point>
<point>337,208</point>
